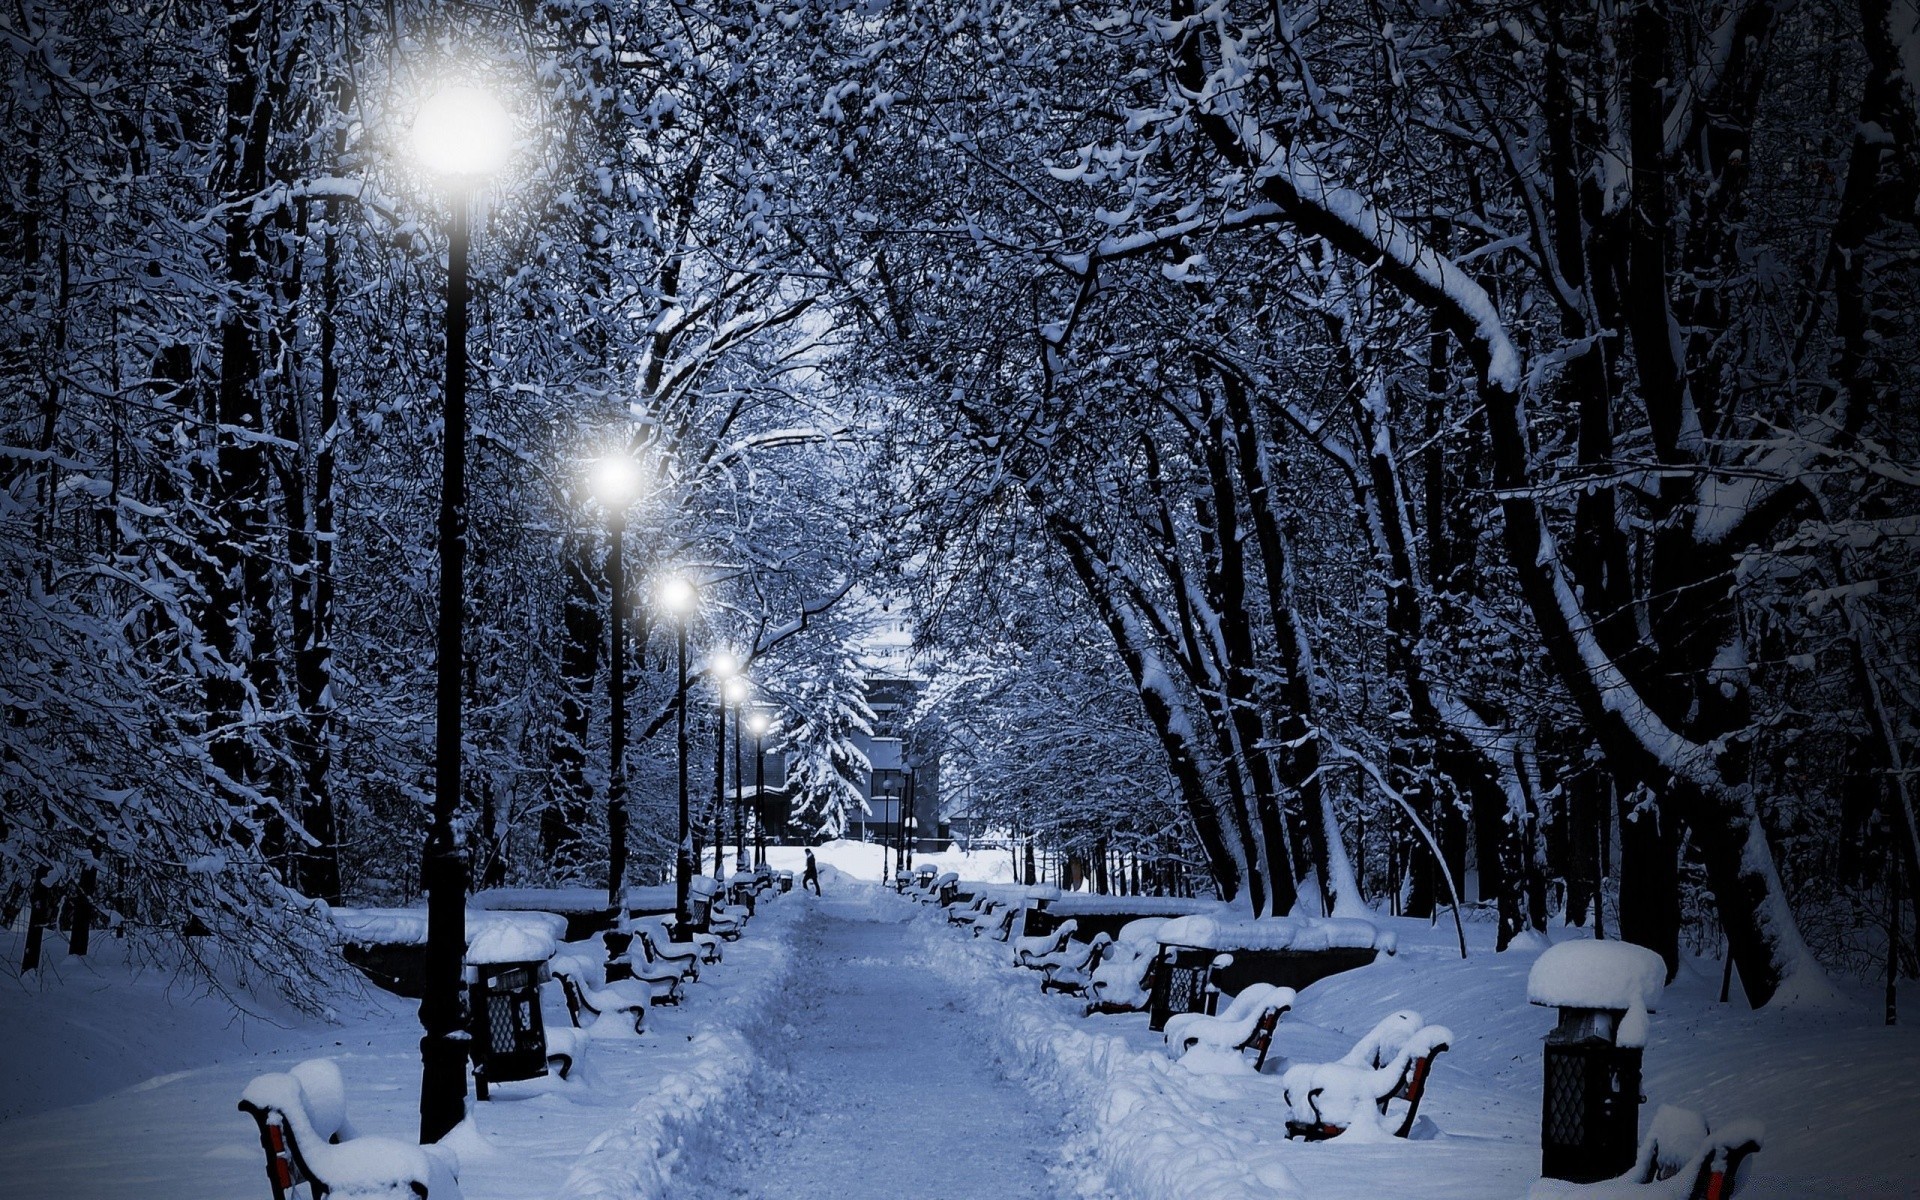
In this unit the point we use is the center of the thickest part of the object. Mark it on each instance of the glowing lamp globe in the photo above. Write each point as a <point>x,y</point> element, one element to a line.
<point>615,480</point>
<point>736,689</point>
<point>462,133</point>
<point>676,595</point>
<point>758,723</point>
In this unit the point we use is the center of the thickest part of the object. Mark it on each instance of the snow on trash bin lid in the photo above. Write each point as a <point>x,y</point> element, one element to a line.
<point>702,885</point>
<point>510,942</point>
<point>1604,975</point>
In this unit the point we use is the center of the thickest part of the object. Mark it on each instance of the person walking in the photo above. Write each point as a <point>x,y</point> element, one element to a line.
<point>812,877</point>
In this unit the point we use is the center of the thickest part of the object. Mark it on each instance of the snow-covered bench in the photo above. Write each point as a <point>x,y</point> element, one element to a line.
<point>1679,1159</point>
<point>625,960</point>
<point>1248,1023</point>
<point>1027,951</point>
<point>1392,1062</point>
<point>1124,981</point>
<point>302,1119</point>
<point>1071,969</point>
<point>998,921</point>
<point>587,991</point>
<point>707,944</point>
<point>974,907</point>
<point>683,957</point>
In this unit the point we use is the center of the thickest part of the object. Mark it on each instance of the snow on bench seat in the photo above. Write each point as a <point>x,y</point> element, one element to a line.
<point>300,1112</point>
<point>1247,1023</point>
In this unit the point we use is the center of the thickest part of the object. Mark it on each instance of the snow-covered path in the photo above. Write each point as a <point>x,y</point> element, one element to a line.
<point>887,1089</point>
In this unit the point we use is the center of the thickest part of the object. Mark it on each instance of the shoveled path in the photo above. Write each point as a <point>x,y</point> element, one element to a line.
<point>888,1091</point>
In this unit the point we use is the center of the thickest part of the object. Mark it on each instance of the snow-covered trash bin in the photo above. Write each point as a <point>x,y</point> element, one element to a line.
<point>506,962</point>
<point>1590,1104</point>
<point>786,881</point>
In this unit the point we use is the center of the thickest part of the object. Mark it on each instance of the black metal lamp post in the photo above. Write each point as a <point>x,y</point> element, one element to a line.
<point>722,668</point>
<point>737,692</point>
<point>911,822</point>
<point>758,723</point>
<point>461,135</point>
<point>615,480</point>
<point>678,597</point>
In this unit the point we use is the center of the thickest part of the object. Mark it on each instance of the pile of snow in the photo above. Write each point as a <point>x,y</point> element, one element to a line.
<point>553,900</point>
<point>510,942</point>
<point>408,926</point>
<point>1204,932</point>
<point>1081,903</point>
<point>1605,975</point>
<point>1148,1133</point>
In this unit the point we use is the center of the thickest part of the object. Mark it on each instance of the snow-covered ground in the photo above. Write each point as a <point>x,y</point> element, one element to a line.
<point>1834,1088</point>
<point>858,1045</point>
<point>882,1089</point>
<point>124,1088</point>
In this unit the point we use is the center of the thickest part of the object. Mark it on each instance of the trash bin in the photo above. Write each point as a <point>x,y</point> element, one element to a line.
<point>507,1038</point>
<point>786,881</point>
<point>1180,982</point>
<point>505,962</point>
<point>1590,1099</point>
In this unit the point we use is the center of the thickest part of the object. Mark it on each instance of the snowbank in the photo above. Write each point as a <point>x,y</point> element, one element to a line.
<point>553,900</point>
<point>1608,975</point>
<point>1276,933</point>
<point>408,926</point>
<point>692,1113</point>
<point>1146,906</point>
<point>1149,1131</point>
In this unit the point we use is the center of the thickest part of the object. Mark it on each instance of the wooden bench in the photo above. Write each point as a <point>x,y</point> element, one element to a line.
<point>707,944</point>
<point>1248,1023</point>
<point>1071,971</point>
<point>1324,1098</point>
<point>583,997</point>
<point>1678,1159</point>
<point>300,1115</point>
<point>624,962</point>
<point>1028,951</point>
<point>681,956</point>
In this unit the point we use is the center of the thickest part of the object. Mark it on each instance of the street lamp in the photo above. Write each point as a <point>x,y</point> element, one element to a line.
<point>721,667</point>
<point>615,482</point>
<point>678,598</point>
<point>737,693</point>
<point>912,823</point>
<point>758,723</point>
<point>461,135</point>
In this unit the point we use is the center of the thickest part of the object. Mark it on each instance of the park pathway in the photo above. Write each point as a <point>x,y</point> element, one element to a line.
<point>888,1090</point>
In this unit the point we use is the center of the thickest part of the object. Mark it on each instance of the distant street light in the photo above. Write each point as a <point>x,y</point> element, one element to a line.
<point>737,693</point>
<point>462,136</point>
<point>615,482</point>
<point>678,598</point>
<point>912,822</point>
<point>758,722</point>
<point>721,667</point>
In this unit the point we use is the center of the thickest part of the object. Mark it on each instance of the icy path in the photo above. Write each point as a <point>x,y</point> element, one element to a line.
<point>888,1091</point>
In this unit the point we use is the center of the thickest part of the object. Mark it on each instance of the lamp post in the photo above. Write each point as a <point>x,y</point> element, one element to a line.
<point>912,823</point>
<point>615,480</point>
<point>758,723</point>
<point>722,668</point>
<point>737,692</point>
<point>461,135</point>
<point>678,597</point>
